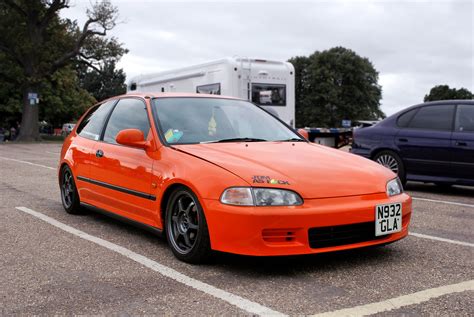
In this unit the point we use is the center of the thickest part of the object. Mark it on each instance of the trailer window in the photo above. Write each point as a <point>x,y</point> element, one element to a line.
<point>269,94</point>
<point>212,89</point>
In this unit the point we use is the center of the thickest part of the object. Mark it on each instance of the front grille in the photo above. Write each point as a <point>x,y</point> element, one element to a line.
<point>323,237</point>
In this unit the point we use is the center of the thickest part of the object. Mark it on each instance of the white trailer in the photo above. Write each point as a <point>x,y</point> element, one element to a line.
<point>269,84</point>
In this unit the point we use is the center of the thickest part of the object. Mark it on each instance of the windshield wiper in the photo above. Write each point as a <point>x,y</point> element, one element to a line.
<point>292,140</point>
<point>238,140</point>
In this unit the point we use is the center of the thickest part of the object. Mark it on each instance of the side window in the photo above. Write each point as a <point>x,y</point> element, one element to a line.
<point>433,118</point>
<point>269,94</point>
<point>129,113</point>
<point>212,89</point>
<point>404,119</point>
<point>465,118</point>
<point>92,125</point>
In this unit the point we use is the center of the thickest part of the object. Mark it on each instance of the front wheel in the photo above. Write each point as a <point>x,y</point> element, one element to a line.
<point>393,162</point>
<point>186,227</point>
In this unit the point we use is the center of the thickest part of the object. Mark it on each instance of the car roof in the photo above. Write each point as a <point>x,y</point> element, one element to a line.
<point>171,94</point>
<point>437,102</point>
<point>450,101</point>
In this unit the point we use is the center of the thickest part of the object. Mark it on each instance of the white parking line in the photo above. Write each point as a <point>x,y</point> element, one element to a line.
<point>240,302</point>
<point>443,202</point>
<point>401,301</point>
<point>425,236</point>
<point>29,163</point>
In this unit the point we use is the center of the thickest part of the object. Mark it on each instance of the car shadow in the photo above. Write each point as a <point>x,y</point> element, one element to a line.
<point>301,264</point>
<point>429,188</point>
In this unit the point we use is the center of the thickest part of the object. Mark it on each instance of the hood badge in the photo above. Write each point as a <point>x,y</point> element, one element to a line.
<point>268,180</point>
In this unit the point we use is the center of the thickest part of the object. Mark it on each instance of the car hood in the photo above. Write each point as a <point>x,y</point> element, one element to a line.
<point>314,171</point>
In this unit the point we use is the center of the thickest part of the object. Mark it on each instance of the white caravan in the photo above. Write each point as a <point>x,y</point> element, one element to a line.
<point>269,84</point>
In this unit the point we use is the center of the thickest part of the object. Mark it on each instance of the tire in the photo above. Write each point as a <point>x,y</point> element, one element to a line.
<point>444,185</point>
<point>392,161</point>
<point>186,227</point>
<point>69,195</point>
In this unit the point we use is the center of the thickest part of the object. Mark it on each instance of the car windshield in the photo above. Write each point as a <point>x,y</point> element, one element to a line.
<point>188,120</point>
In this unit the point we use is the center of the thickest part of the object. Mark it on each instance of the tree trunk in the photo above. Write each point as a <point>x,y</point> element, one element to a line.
<point>29,130</point>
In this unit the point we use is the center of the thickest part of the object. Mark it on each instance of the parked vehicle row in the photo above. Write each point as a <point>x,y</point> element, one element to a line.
<point>429,142</point>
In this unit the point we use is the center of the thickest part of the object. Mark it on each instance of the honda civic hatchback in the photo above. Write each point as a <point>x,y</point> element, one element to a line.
<point>217,173</point>
<point>431,142</point>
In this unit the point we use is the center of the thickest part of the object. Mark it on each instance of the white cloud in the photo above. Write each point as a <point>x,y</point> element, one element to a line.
<point>413,44</point>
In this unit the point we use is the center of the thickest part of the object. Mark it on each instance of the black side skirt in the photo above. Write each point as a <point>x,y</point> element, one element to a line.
<point>126,220</point>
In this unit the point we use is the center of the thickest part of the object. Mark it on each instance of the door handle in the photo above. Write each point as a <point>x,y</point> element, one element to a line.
<point>403,140</point>
<point>460,143</point>
<point>99,153</point>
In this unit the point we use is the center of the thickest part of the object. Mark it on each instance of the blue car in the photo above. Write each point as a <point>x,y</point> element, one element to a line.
<point>431,142</point>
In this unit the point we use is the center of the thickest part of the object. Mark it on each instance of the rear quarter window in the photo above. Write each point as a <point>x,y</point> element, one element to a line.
<point>92,124</point>
<point>405,118</point>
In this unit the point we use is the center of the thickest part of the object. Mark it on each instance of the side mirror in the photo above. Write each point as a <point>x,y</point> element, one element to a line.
<point>304,133</point>
<point>132,137</point>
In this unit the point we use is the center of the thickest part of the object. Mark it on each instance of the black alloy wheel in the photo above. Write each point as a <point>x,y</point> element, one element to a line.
<point>69,194</point>
<point>186,227</point>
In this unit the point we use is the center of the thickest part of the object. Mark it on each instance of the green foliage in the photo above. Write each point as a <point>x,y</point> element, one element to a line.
<point>10,94</point>
<point>62,98</point>
<point>333,85</point>
<point>104,83</point>
<point>41,52</point>
<point>443,92</point>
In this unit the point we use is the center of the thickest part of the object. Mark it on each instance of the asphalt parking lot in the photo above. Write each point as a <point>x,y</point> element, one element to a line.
<point>55,263</point>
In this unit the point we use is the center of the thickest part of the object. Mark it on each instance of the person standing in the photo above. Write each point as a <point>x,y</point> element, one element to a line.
<point>12,133</point>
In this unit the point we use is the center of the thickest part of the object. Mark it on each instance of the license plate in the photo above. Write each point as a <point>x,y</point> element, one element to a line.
<point>388,219</point>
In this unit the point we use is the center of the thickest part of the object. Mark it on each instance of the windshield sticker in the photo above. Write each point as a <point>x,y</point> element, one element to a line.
<point>173,136</point>
<point>212,126</point>
<point>268,180</point>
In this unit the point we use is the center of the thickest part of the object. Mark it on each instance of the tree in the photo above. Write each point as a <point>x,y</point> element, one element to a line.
<point>103,83</point>
<point>443,92</point>
<point>35,44</point>
<point>333,85</point>
<point>65,99</point>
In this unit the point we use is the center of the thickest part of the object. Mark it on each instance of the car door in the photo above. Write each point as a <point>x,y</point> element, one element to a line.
<point>121,174</point>
<point>425,142</point>
<point>463,143</point>
<point>82,148</point>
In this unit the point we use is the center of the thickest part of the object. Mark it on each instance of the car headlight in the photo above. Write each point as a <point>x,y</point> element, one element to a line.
<point>394,187</point>
<point>249,196</point>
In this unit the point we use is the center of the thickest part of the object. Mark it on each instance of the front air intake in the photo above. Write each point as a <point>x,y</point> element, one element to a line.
<point>279,235</point>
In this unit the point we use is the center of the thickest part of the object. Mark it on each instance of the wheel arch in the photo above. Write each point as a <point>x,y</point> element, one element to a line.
<point>165,198</point>
<point>378,150</point>
<point>61,166</point>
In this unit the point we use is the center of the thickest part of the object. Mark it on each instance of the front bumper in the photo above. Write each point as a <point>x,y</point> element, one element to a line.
<point>270,231</point>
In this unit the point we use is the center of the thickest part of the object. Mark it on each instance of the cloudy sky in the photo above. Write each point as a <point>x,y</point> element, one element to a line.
<point>413,44</point>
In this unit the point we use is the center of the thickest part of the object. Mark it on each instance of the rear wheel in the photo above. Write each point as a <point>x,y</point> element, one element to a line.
<point>69,194</point>
<point>186,227</point>
<point>393,162</point>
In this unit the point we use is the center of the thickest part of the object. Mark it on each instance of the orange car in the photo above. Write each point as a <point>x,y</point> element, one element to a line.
<point>218,173</point>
